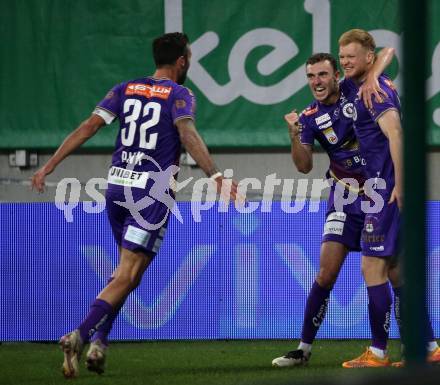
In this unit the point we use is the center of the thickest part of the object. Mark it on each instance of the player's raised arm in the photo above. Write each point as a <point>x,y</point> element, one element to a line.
<point>371,85</point>
<point>302,155</point>
<point>80,135</point>
<point>196,147</point>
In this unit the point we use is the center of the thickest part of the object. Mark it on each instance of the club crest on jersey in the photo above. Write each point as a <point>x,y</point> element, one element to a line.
<point>148,91</point>
<point>322,119</point>
<point>349,111</point>
<point>330,135</point>
<point>180,103</point>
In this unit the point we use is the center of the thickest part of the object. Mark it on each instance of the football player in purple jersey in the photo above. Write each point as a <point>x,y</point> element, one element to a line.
<point>156,116</point>
<point>328,119</point>
<point>379,132</point>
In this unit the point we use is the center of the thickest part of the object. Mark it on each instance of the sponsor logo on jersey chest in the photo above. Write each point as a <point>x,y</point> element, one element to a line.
<point>322,119</point>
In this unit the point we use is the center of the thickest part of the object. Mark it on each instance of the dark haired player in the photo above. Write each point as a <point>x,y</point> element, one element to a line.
<point>328,119</point>
<point>156,116</point>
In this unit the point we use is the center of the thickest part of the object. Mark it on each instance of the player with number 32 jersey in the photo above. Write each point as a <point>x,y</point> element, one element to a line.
<point>147,110</point>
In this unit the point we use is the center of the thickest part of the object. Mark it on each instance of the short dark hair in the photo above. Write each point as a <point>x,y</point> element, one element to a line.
<point>319,57</point>
<point>169,47</point>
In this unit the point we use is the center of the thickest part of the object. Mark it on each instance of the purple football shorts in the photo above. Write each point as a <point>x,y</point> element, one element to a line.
<point>380,235</point>
<point>344,226</point>
<point>139,228</point>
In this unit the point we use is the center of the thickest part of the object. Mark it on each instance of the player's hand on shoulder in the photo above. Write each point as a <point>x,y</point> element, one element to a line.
<point>370,88</point>
<point>292,120</point>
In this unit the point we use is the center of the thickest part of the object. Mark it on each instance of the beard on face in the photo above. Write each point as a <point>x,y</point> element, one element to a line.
<point>182,76</point>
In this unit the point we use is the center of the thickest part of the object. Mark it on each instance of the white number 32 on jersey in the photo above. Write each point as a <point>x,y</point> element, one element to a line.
<point>128,133</point>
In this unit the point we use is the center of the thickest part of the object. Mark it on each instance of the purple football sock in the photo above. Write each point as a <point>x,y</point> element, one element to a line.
<point>429,332</point>
<point>103,332</point>
<point>98,314</point>
<point>379,310</point>
<point>316,307</point>
<point>398,309</point>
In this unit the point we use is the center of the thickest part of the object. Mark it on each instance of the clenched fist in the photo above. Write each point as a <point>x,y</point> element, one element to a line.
<point>292,123</point>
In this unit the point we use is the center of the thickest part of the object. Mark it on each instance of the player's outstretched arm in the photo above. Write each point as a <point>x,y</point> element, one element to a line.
<point>371,85</point>
<point>85,131</point>
<point>302,154</point>
<point>390,125</point>
<point>196,147</point>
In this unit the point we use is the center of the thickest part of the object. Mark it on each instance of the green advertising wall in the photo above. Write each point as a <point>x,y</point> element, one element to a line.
<point>59,58</point>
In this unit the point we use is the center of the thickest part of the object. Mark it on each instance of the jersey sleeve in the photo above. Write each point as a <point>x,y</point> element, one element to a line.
<point>184,105</point>
<point>388,103</point>
<point>109,107</point>
<point>306,135</point>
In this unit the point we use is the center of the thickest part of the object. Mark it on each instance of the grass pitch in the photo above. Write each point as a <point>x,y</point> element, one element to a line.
<point>185,362</point>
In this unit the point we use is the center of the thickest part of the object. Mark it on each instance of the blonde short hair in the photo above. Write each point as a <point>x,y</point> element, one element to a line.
<point>358,36</point>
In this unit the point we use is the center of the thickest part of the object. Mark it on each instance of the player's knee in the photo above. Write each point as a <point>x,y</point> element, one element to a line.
<point>394,275</point>
<point>135,281</point>
<point>374,268</point>
<point>394,278</point>
<point>369,265</point>
<point>368,271</point>
<point>126,282</point>
<point>326,278</point>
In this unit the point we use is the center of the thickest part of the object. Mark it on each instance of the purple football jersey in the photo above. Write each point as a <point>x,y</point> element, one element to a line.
<point>381,230</point>
<point>147,110</point>
<point>374,144</point>
<point>332,127</point>
<point>147,151</point>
